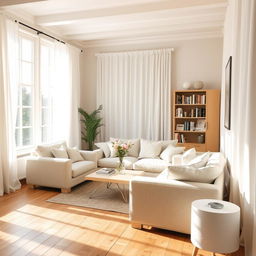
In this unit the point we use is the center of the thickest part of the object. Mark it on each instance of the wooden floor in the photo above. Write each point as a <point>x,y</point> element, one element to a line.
<point>31,226</point>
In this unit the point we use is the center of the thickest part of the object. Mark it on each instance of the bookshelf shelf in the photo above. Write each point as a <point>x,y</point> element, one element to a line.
<point>196,109</point>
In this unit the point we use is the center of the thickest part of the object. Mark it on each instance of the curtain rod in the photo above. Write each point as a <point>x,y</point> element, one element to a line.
<point>130,51</point>
<point>40,32</point>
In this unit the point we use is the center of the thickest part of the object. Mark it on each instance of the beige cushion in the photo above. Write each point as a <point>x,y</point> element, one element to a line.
<point>134,149</point>
<point>151,165</point>
<point>74,155</point>
<point>112,150</point>
<point>60,153</point>
<point>200,161</point>
<point>82,167</point>
<point>166,143</point>
<point>113,162</point>
<point>189,155</point>
<point>104,147</point>
<point>46,150</point>
<point>170,151</point>
<point>150,149</point>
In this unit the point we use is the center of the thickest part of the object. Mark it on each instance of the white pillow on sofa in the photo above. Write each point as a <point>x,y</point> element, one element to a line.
<point>150,149</point>
<point>200,161</point>
<point>205,174</point>
<point>46,150</point>
<point>189,155</point>
<point>74,155</point>
<point>104,147</point>
<point>166,143</point>
<point>60,153</point>
<point>134,149</point>
<point>170,151</point>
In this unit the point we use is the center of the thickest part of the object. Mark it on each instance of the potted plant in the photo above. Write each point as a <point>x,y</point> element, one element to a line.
<point>91,122</point>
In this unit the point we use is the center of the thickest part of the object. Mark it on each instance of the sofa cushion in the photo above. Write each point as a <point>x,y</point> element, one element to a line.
<point>150,149</point>
<point>200,161</point>
<point>189,155</point>
<point>134,149</point>
<point>166,143</point>
<point>82,167</point>
<point>113,162</point>
<point>151,165</point>
<point>46,150</point>
<point>60,153</point>
<point>170,151</point>
<point>74,155</point>
<point>104,147</point>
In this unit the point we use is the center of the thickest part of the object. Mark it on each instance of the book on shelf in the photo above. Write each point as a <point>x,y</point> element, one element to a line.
<point>191,99</point>
<point>180,127</point>
<point>179,137</point>
<point>105,171</point>
<point>201,125</point>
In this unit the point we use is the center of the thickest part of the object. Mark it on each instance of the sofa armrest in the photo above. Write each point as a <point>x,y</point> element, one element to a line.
<point>50,172</point>
<point>167,203</point>
<point>94,155</point>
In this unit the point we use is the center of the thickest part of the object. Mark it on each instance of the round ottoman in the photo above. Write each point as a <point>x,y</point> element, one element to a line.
<point>215,226</point>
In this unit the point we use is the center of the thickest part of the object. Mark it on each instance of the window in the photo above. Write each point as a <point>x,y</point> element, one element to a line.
<point>25,120</point>
<point>35,96</point>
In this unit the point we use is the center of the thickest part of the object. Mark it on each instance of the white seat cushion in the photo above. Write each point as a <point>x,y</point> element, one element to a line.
<point>81,167</point>
<point>151,165</point>
<point>114,161</point>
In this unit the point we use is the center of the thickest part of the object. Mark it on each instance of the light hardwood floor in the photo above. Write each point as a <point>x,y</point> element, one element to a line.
<point>31,226</point>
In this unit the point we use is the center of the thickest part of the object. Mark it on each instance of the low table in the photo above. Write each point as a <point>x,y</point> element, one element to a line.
<point>123,177</point>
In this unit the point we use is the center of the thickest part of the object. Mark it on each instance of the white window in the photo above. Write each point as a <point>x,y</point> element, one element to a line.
<point>34,114</point>
<point>25,112</point>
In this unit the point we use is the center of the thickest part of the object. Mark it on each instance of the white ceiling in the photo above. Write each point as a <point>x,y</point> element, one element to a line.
<point>101,22</point>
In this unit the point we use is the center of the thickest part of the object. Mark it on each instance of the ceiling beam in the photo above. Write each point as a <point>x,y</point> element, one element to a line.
<point>160,8</point>
<point>14,2</point>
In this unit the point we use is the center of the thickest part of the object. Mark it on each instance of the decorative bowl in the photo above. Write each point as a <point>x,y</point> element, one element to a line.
<point>198,85</point>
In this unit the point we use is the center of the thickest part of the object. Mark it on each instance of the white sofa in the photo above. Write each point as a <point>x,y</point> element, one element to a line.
<point>59,172</point>
<point>165,203</point>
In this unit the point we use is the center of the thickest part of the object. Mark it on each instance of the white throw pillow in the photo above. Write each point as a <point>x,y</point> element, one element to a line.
<point>150,149</point>
<point>205,174</point>
<point>166,143</point>
<point>134,149</point>
<point>74,155</point>
<point>170,151</point>
<point>46,150</point>
<point>60,153</point>
<point>189,155</point>
<point>112,150</point>
<point>200,161</point>
<point>104,147</point>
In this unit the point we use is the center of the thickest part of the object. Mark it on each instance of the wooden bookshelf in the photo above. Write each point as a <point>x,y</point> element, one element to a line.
<point>196,113</point>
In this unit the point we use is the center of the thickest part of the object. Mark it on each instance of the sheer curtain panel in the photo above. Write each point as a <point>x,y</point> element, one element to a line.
<point>9,74</point>
<point>134,89</point>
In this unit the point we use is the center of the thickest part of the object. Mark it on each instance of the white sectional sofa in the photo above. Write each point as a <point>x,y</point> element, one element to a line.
<point>164,202</point>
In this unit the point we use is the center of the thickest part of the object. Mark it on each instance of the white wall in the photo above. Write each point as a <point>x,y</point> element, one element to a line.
<point>199,59</point>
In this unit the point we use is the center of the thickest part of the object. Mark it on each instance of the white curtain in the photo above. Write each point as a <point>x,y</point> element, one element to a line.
<point>66,99</point>
<point>9,74</point>
<point>134,89</point>
<point>74,133</point>
<point>239,143</point>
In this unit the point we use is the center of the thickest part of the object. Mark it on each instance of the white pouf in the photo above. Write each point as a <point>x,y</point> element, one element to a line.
<point>215,230</point>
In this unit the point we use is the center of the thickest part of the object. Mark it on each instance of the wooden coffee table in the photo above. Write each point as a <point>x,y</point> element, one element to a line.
<point>119,179</point>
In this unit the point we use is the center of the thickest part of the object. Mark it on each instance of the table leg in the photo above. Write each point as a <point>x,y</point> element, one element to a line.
<point>122,191</point>
<point>195,250</point>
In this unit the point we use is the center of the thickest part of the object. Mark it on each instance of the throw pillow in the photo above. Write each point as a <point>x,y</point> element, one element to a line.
<point>104,147</point>
<point>60,153</point>
<point>74,155</point>
<point>189,155</point>
<point>205,174</point>
<point>166,143</point>
<point>200,161</point>
<point>46,150</point>
<point>134,149</point>
<point>150,149</point>
<point>170,151</point>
